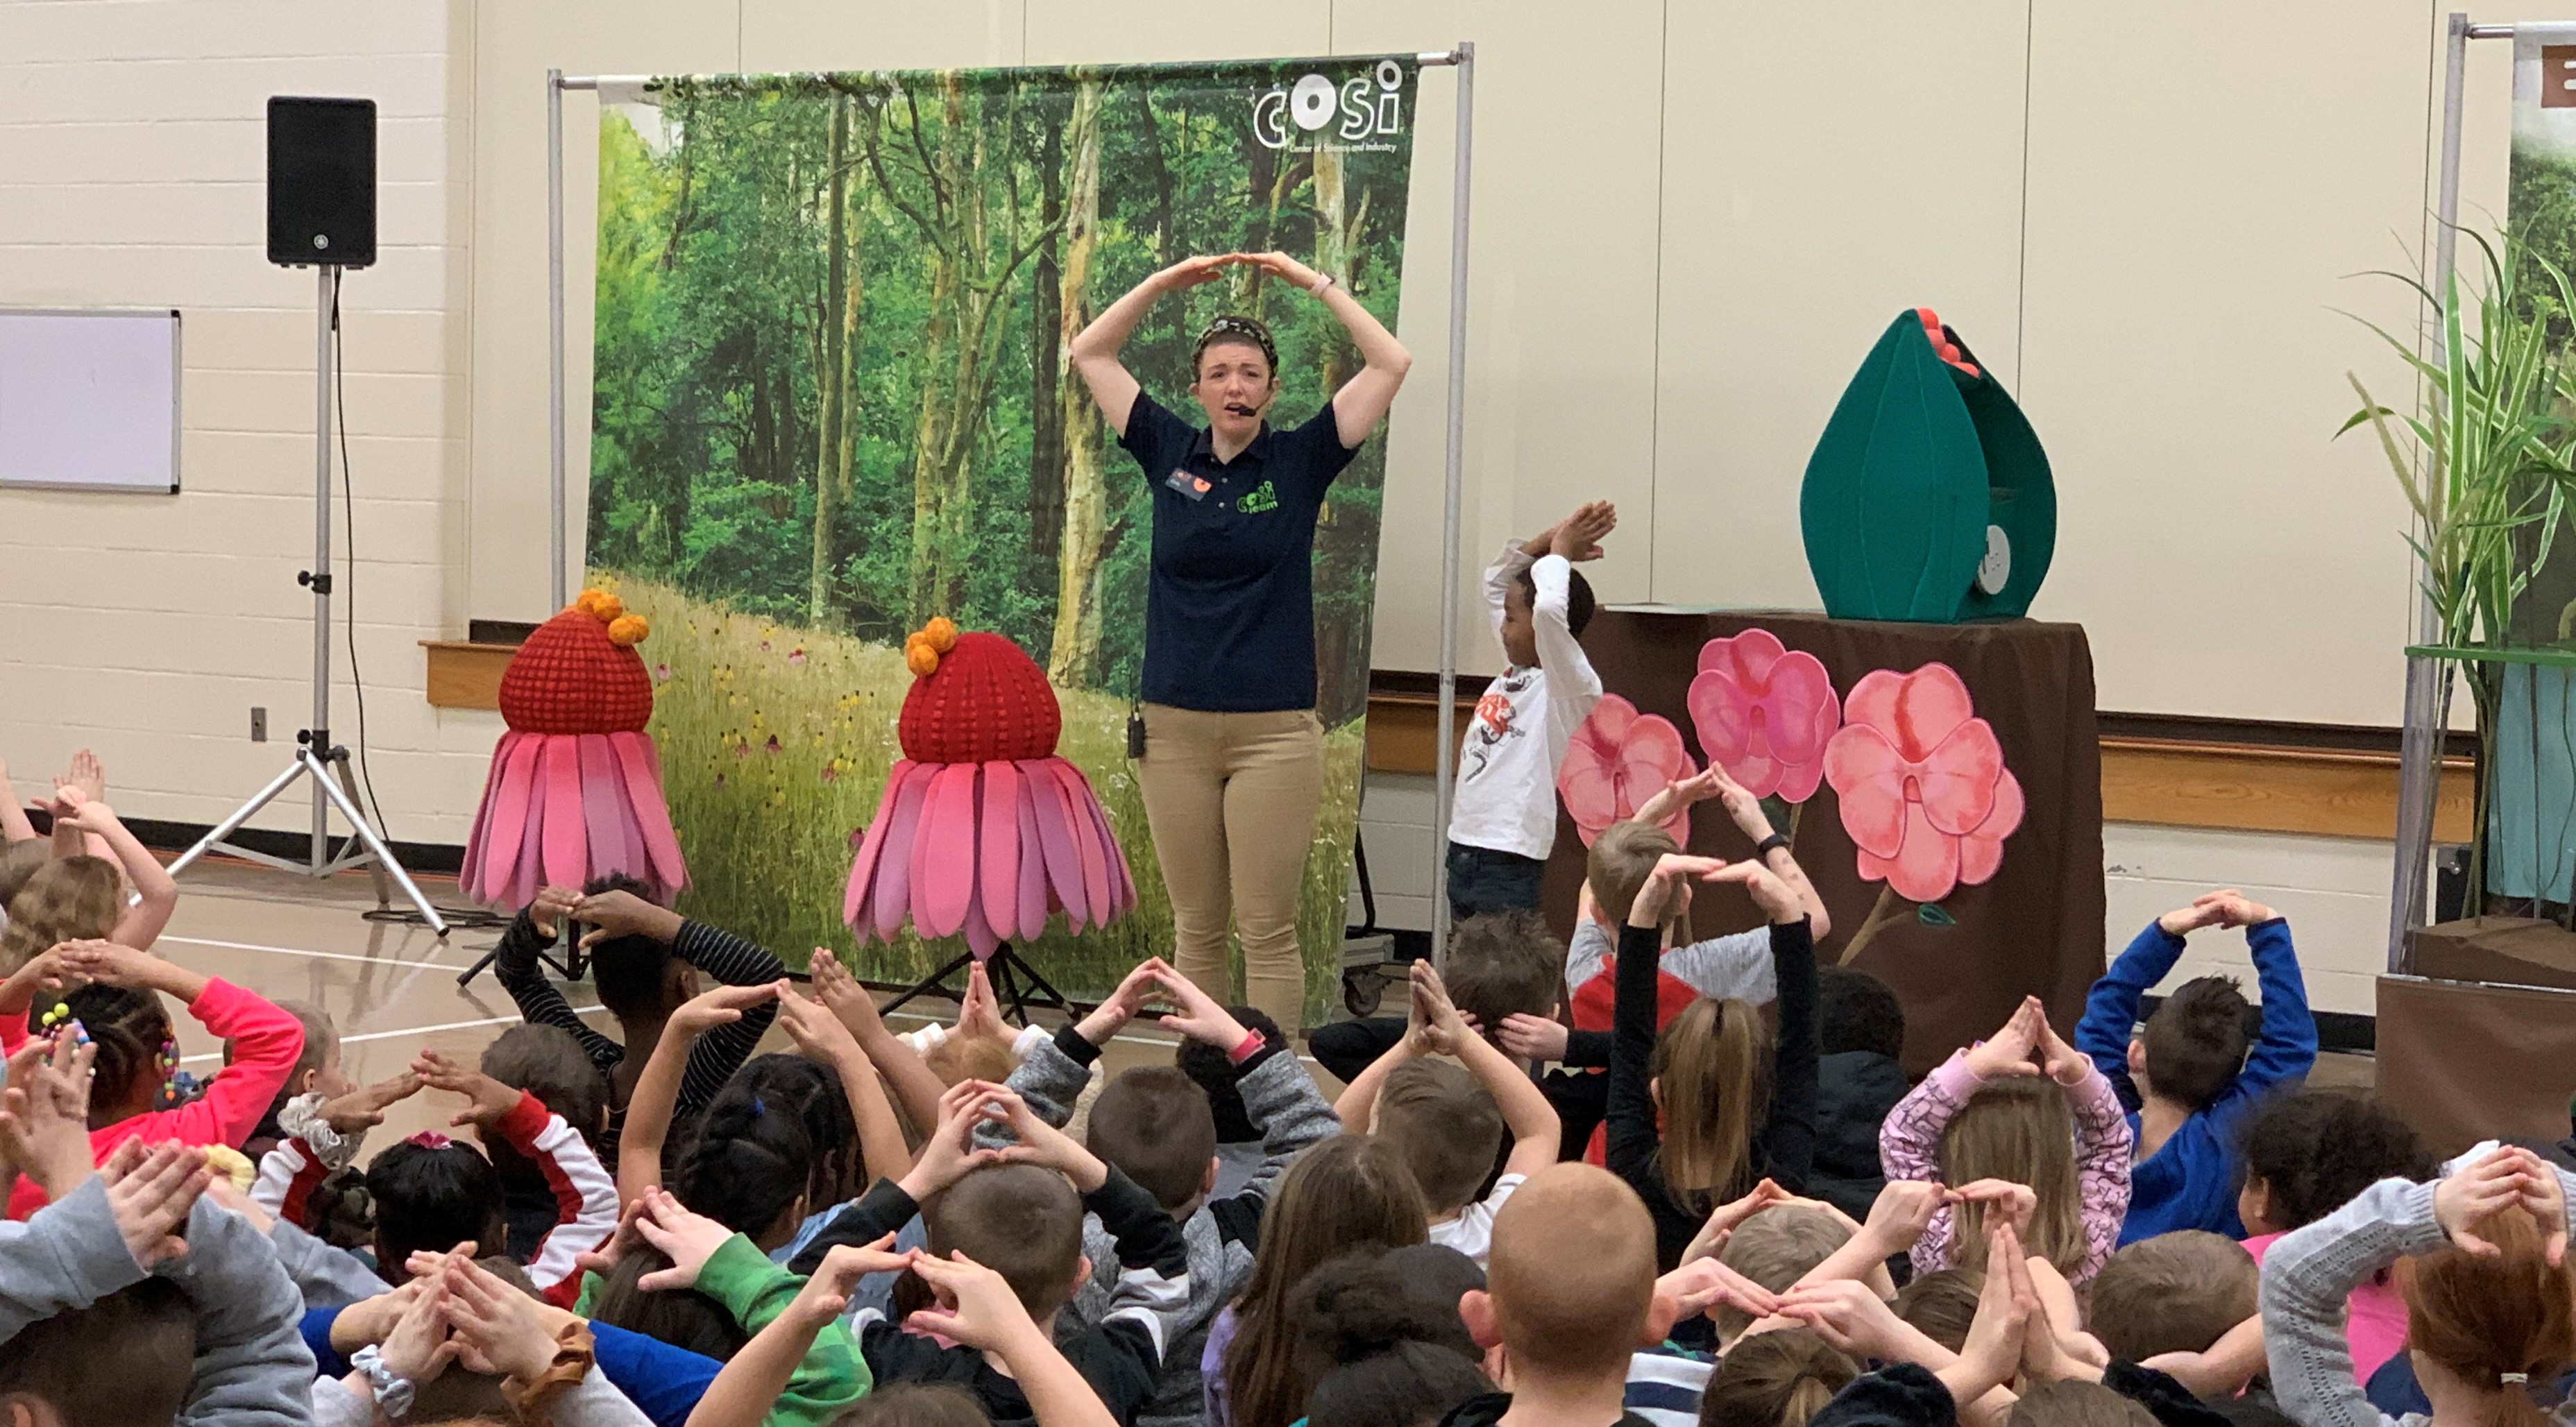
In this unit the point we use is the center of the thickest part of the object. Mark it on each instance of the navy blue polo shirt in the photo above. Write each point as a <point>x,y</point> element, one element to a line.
<point>1230,598</point>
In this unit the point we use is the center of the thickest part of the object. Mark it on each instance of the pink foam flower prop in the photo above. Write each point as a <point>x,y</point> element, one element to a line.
<point>1764,714</point>
<point>1617,760</point>
<point>1922,783</point>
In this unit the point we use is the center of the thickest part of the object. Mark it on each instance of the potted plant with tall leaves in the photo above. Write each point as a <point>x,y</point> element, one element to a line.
<point>2486,462</point>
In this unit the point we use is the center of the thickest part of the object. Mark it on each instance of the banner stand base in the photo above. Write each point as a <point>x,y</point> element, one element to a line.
<point>1007,968</point>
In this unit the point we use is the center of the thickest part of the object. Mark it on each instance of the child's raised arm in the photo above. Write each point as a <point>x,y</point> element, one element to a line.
<point>14,826</point>
<point>916,1087</point>
<point>757,1377</point>
<point>657,1090</point>
<point>823,1038</point>
<point>2102,1144</point>
<point>2287,1045</point>
<point>142,923</point>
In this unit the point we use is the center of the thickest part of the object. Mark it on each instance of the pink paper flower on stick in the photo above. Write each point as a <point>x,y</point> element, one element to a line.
<point>1764,714</point>
<point>1616,761</point>
<point>1922,783</point>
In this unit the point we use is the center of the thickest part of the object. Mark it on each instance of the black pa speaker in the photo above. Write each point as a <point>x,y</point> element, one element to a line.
<point>322,181</point>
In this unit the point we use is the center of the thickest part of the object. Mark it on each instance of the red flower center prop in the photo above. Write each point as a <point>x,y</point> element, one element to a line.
<point>1921,780</point>
<point>573,676</point>
<point>1617,760</point>
<point>1764,714</point>
<point>987,700</point>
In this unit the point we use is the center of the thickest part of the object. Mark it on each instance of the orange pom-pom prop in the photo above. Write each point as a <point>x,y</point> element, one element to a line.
<point>941,633</point>
<point>628,630</point>
<point>920,658</point>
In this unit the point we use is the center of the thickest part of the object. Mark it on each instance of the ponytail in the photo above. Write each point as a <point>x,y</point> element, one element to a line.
<point>1712,1066</point>
<point>2491,1320</point>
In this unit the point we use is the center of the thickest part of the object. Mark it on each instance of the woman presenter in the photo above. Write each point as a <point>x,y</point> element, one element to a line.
<point>1233,766</point>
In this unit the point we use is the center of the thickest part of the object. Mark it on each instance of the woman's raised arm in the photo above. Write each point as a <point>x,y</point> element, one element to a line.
<point>1095,348</point>
<point>1362,402</point>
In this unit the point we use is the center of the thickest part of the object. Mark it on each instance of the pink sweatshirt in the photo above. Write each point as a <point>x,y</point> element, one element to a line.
<point>1909,1147</point>
<point>266,1042</point>
<point>2374,1325</point>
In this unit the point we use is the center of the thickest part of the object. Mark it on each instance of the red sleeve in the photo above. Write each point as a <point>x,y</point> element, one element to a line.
<point>266,1043</point>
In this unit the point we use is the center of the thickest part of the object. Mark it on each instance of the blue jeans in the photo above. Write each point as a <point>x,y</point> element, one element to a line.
<point>1483,881</point>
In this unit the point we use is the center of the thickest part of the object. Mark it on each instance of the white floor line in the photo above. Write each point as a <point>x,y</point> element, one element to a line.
<point>300,951</point>
<point>577,1010</point>
<point>408,1031</point>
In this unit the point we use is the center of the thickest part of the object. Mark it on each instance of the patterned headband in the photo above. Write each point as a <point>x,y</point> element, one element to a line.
<point>1241,329</point>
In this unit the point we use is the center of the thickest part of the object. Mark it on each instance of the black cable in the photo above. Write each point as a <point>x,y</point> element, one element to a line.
<point>349,518</point>
<point>457,918</point>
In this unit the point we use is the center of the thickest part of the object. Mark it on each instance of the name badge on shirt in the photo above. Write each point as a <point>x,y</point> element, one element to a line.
<point>1195,487</point>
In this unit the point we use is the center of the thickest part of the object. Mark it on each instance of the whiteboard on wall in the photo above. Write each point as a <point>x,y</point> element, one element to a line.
<point>89,400</point>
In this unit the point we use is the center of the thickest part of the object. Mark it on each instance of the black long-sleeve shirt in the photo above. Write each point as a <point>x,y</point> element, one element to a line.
<point>1783,1148</point>
<point>730,959</point>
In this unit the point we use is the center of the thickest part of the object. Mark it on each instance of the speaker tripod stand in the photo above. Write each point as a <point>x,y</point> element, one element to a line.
<point>317,757</point>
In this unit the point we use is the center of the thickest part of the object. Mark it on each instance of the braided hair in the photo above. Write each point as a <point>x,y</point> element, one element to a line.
<point>750,1161</point>
<point>813,1094</point>
<point>136,1052</point>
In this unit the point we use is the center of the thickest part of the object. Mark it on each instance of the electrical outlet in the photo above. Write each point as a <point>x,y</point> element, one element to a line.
<point>258,724</point>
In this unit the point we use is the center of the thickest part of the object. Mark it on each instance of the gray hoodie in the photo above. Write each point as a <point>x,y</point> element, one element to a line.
<point>1223,1234</point>
<point>2309,1272</point>
<point>252,1367</point>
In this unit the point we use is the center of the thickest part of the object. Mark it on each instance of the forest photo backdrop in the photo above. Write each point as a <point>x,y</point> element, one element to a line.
<point>831,401</point>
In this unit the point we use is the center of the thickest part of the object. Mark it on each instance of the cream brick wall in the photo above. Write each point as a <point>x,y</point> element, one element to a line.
<point>132,164</point>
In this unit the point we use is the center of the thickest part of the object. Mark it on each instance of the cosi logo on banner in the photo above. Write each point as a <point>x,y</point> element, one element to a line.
<point>1362,107</point>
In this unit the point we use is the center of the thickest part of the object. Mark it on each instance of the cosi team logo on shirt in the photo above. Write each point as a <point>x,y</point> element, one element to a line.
<point>1258,499</point>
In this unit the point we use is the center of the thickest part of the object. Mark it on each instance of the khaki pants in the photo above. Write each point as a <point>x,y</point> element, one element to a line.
<point>1231,798</point>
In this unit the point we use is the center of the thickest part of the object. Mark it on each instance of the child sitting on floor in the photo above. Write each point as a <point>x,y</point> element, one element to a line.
<point>1020,1211</point>
<point>1447,1123</point>
<point>1570,1294</point>
<point>1718,1101</point>
<point>118,1005</point>
<point>2051,1149</point>
<point>2186,1079</point>
<point>644,960</point>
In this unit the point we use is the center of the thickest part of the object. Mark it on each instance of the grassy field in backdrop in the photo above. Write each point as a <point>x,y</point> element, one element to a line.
<point>775,742</point>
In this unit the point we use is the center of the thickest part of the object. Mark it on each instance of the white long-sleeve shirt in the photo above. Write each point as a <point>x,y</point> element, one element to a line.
<point>1506,798</point>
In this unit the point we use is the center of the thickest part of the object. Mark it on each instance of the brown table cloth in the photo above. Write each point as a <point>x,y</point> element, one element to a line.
<point>2035,928</point>
<point>2462,1062</point>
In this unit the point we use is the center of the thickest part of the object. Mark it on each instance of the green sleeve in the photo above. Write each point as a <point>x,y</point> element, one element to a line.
<point>756,1291</point>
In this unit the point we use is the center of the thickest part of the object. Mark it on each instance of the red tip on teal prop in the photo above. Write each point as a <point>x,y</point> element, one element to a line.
<point>1928,498</point>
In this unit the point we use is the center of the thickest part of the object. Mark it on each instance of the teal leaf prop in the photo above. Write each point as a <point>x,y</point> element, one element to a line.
<point>1918,459</point>
<point>1930,914</point>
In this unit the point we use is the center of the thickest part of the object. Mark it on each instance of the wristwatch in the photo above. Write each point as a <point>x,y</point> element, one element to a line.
<point>393,1391</point>
<point>1762,850</point>
<point>1322,282</point>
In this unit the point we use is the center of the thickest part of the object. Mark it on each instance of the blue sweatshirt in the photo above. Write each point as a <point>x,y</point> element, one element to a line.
<point>2190,1181</point>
